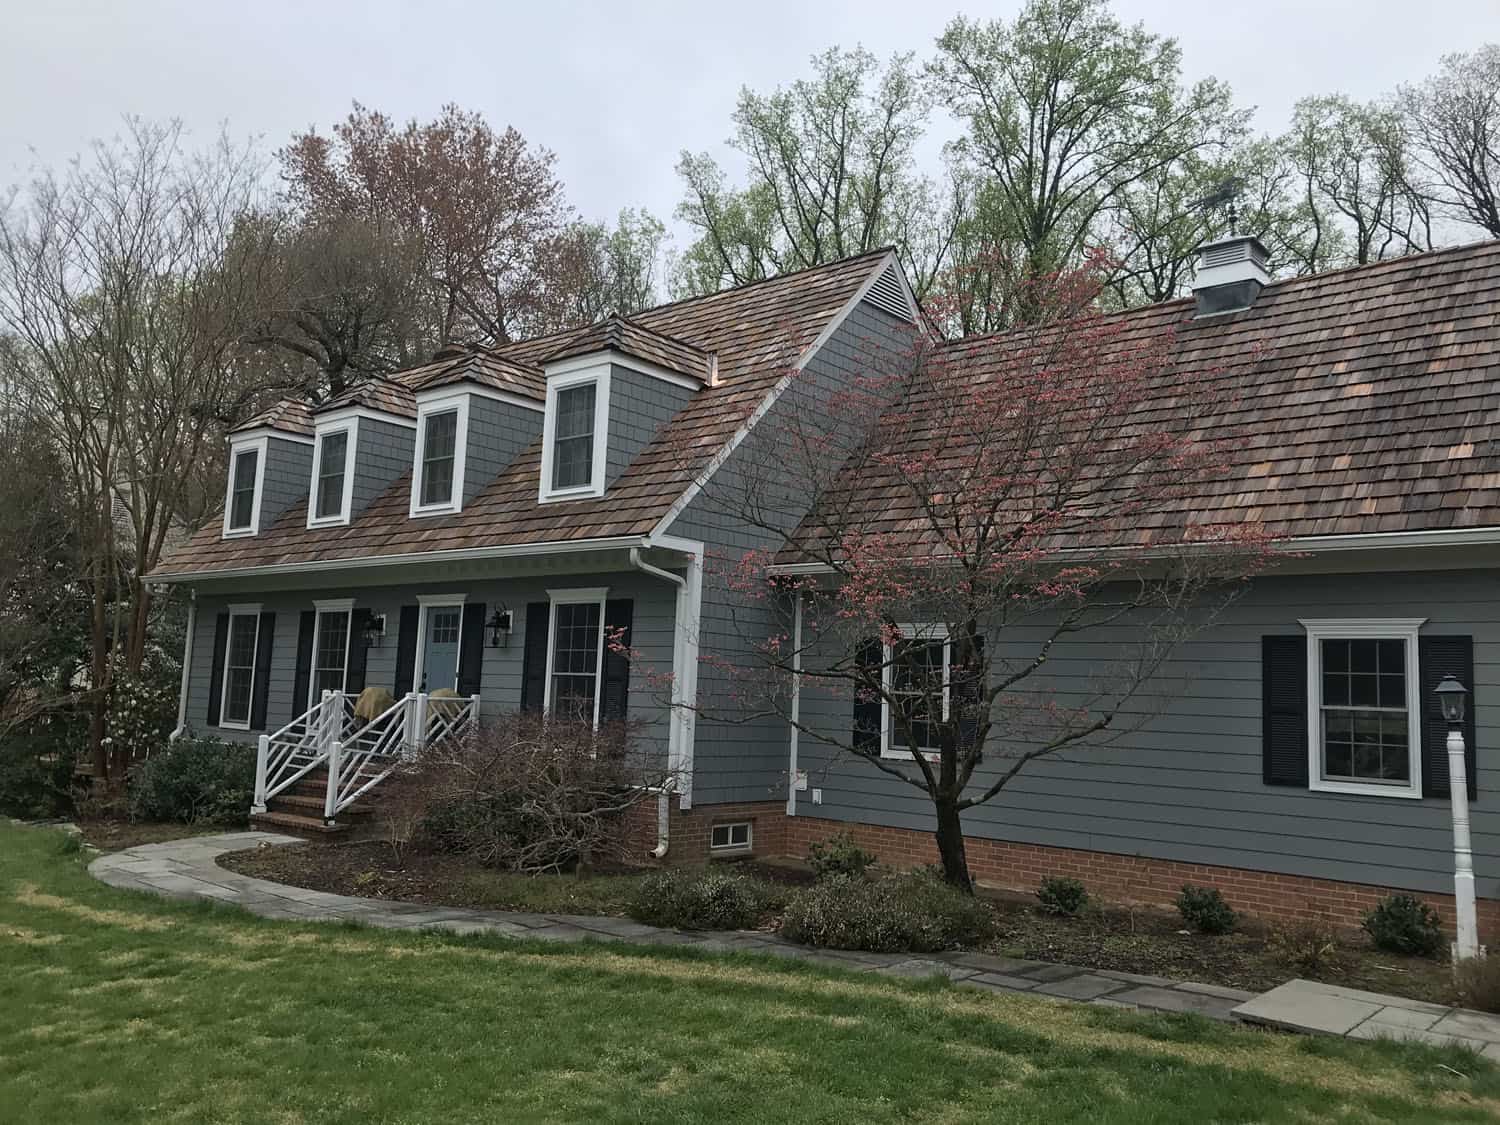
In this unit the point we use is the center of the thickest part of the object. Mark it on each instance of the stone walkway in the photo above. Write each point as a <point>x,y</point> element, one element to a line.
<point>1312,1006</point>
<point>186,869</point>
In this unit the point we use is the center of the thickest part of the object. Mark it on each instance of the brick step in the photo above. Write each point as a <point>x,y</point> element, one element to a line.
<point>293,824</point>
<point>305,804</point>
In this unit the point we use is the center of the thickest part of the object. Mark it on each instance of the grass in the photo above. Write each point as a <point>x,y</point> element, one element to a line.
<point>117,1007</point>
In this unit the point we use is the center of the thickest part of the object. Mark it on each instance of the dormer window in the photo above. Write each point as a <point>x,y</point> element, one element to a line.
<point>442,432</point>
<point>247,466</point>
<point>333,480</point>
<point>573,445</point>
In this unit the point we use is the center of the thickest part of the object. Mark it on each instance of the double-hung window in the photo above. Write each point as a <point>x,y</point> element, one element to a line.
<point>575,656</point>
<point>442,435</point>
<point>242,505</point>
<point>239,666</point>
<point>331,634</point>
<point>1364,719</point>
<point>574,437</point>
<point>437,458</point>
<point>331,478</point>
<point>916,677</point>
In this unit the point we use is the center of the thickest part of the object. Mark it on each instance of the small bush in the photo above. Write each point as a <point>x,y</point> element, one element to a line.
<point>838,855</point>
<point>1405,925</point>
<point>1205,910</point>
<point>1478,980</point>
<point>698,900</point>
<point>896,913</point>
<point>36,777</point>
<point>194,781</point>
<point>1310,947</point>
<point>1065,897</point>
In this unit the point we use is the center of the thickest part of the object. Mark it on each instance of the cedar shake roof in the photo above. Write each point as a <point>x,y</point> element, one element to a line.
<point>757,332</point>
<point>1365,400</point>
<point>621,335</point>
<point>291,416</point>
<point>494,369</point>
<point>385,395</point>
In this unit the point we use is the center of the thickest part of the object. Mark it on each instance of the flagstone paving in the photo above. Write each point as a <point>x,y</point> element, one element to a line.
<point>1306,1005</point>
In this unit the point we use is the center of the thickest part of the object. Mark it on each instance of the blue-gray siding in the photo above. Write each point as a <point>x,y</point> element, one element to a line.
<point>383,454</point>
<point>639,405</point>
<point>498,433</point>
<point>287,477</point>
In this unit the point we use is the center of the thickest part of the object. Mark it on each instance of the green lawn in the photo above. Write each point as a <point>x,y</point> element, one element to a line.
<point>116,1008</point>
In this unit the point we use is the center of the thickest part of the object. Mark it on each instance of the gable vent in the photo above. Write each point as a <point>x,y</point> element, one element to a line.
<point>888,294</point>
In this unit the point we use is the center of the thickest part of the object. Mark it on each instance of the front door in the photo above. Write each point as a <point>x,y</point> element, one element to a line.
<point>440,649</point>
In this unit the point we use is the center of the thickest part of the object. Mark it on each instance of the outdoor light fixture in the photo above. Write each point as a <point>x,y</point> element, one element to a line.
<point>373,631</point>
<point>1452,695</point>
<point>499,626</point>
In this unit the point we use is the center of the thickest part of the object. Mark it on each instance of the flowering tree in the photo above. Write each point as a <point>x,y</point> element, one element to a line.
<point>968,508</point>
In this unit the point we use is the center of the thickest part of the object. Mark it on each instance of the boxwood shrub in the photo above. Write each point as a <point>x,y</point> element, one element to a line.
<point>194,781</point>
<point>912,911</point>
<point>699,900</point>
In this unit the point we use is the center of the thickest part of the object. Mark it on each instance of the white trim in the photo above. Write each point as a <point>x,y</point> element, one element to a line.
<point>631,363</point>
<point>259,433</point>
<point>346,502</point>
<point>732,848</point>
<point>426,602</point>
<point>590,595</point>
<point>187,667</point>
<point>260,446</point>
<point>796,707</point>
<point>1397,629</point>
<point>321,607</point>
<point>339,415</point>
<point>914,632</point>
<point>458,403</point>
<point>689,617</point>
<point>478,390</point>
<point>716,462</point>
<point>598,374</point>
<point>244,609</point>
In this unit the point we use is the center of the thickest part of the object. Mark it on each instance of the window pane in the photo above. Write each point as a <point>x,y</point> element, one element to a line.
<point>917,681</point>
<point>573,437</point>
<point>242,504</point>
<point>331,466</point>
<point>239,667</point>
<point>575,660</point>
<point>333,649</point>
<point>1365,732</point>
<point>437,457</point>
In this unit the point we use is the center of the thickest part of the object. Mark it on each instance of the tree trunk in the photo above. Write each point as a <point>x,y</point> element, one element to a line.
<point>98,665</point>
<point>950,842</point>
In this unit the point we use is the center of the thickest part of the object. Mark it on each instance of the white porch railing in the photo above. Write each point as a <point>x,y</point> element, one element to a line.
<point>359,755</point>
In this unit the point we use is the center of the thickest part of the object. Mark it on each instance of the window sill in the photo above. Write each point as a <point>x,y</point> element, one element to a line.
<point>933,756</point>
<point>239,532</point>
<point>1356,789</point>
<point>329,521</point>
<point>448,509</point>
<point>588,493</point>
<point>235,726</point>
<point>736,849</point>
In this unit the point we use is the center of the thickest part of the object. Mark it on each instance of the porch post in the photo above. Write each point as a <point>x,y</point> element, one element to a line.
<point>331,799</point>
<point>262,752</point>
<point>420,720</point>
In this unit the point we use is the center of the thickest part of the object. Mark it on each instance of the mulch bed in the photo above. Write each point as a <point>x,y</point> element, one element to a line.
<point>1141,940</point>
<point>111,834</point>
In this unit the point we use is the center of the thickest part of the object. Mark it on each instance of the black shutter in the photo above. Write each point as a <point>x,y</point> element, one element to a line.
<point>265,645</point>
<point>302,679</point>
<point>1283,732</point>
<point>471,649</point>
<point>216,672</point>
<point>618,614</point>
<point>1439,657</point>
<point>868,658</point>
<point>967,689</point>
<point>354,672</point>
<point>534,659</point>
<point>406,650</point>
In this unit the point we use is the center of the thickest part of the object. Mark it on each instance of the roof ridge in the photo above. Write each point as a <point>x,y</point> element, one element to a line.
<point>880,251</point>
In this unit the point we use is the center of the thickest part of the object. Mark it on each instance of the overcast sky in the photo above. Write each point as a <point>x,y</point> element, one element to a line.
<point>616,90</point>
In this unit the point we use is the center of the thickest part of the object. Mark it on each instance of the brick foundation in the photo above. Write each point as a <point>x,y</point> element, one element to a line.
<point>690,831</point>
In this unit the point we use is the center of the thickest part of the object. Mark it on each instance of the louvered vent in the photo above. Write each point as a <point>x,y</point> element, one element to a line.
<point>888,295</point>
<point>1224,254</point>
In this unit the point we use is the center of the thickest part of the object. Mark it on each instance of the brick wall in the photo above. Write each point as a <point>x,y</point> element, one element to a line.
<point>690,831</point>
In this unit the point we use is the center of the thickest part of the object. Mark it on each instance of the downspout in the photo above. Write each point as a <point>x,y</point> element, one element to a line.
<point>796,716</point>
<point>674,728</point>
<point>187,665</point>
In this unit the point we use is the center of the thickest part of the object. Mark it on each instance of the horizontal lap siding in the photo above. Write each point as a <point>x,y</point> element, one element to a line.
<point>1183,782</point>
<point>500,683</point>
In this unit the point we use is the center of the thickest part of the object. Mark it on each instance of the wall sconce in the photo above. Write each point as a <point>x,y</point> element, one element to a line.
<point>373,631</point>
<point>499,626</point>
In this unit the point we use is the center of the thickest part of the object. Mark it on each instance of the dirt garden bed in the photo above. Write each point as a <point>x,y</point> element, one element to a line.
<point>1149,941</point>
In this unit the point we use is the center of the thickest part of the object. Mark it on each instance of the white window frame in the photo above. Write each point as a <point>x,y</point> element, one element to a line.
<point>1404,629</point>
<point>561,378</point>
<point>425,603</point>
<point>596,595</point>
<point>260,446</point>
<point>915,632</point>
<point>245,609</point>
<point>329,606</point>
<point>346,504</point>
<point>732,848</point>
<point>441,404</point>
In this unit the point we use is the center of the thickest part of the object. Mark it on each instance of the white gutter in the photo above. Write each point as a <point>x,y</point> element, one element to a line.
<point>674,723</point>
<point>796,715</point>
<point>690,612</point>
<point>187,667</point>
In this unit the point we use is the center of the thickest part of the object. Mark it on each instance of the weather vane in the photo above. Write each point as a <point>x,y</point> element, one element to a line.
<point>1223,196</point>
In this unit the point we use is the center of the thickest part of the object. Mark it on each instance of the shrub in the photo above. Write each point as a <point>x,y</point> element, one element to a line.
<point>142,712</point>
<point>1478,980</point>
<point>194,781</point>
<point>1310,947</point>
<point>1405,925</point>
<point>1205,910</point>
<point>838,855</point>
<point>898,912</point>
<point>1062,896</point>
<point>36,775</point>
<point>698,900</point>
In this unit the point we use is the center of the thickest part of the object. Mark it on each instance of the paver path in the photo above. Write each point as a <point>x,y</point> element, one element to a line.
<point>1308,1005</point>
<point>187,869</point>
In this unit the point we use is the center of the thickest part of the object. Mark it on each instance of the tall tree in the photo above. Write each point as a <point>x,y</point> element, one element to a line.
<point>831,172</point>
<point>1066,109</point>
<point>1456,117</point>
<point>616,270</point>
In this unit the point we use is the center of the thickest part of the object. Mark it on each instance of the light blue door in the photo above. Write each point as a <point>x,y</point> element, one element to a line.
<point>440,653</point>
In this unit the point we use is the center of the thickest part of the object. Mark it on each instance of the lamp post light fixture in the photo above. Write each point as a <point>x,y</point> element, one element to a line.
<point>1452,697</point>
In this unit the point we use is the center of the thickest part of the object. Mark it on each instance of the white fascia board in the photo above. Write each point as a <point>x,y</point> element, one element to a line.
<point>478,390</point>
<point>700,482</point>
<point>263,432</point>
<point>336,418</point>
<point>620,359</point>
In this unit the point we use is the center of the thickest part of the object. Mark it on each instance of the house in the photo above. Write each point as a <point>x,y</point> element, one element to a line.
<point>480,521</point>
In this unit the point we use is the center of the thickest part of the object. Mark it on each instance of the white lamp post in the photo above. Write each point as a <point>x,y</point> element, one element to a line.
<point>1452,695</point>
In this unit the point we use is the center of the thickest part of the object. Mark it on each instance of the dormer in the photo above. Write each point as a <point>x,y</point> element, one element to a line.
<point>269,457</point>
<point>609,389</point>
<point>475,414</point>
<point>363,442</point>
